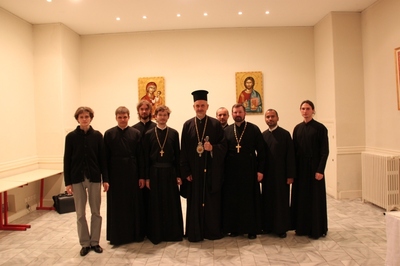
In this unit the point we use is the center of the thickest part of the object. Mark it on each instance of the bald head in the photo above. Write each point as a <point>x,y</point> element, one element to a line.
<point>222,115</point>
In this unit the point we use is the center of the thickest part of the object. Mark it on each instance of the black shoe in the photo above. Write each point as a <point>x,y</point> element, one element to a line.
<point>252,236</point>
<point>282,235</point>
<point>97,249</point>
<point>233,234</point>
<point>84,251</point>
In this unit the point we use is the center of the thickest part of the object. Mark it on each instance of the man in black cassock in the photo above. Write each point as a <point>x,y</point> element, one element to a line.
<point>162,156</point>
<point>125,210</point>
<point>279,173</point>
<point>203,149</point>
<point>244,167</point>
<point>144,110</point>
<point>310,139</point>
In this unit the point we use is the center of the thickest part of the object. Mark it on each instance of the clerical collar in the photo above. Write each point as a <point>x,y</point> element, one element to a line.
<point>145,122</point>
<point>162,128</point>
<point>273,128</point>
<point>200,119</point>
<point>123,128</point>
<point>241,124</point>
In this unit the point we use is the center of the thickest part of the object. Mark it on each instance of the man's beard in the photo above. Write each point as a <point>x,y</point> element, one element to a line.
<point>238,119</point>
<point>146,117</point>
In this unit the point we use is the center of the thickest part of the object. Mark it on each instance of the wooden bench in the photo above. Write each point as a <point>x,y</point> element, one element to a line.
<point>20,180</point>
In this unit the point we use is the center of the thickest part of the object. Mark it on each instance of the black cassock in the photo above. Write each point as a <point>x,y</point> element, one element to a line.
<point>165,222</point>
<point>280,165</point>
<point>125,210</point>
<point>202,221</point>
<point>143,128</point>
<point>241,206</point>
<point>309,195</point>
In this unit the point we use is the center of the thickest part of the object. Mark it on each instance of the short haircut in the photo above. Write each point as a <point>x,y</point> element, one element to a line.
<point>162,108</point>
<point>272,110</point>
<point>222,108</point>
<point>82,109</point>
<point>238,105</point>
<point>122,110</point>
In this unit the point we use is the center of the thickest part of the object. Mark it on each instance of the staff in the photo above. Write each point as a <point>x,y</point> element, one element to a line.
<point>205,174</point>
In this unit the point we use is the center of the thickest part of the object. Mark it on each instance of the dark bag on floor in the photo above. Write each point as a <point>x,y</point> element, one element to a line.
<point>64,203</point>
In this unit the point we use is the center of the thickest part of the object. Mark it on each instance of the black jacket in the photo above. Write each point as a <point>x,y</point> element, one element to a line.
<point>84,155</point>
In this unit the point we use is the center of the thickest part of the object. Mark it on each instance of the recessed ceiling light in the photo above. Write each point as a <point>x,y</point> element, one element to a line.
<point>118,18</point>
<point>267,12</point>
<point>240,12</point>
<point>144,17</point>
<point>205,14</point>
<point>49,1</point>
<point>178,15</point>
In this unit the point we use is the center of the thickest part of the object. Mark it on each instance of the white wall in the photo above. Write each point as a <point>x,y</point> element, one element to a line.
<point>17,105</point>
<point>56,68</point>
<point>42,83</point>
<point>380,36</point>
<point>198,59</point>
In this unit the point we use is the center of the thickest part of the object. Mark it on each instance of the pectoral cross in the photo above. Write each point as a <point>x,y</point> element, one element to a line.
<point>162,153</point>
<point>238,148</point>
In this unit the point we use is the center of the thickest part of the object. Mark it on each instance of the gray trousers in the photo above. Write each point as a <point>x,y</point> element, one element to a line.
<point>81,192</point>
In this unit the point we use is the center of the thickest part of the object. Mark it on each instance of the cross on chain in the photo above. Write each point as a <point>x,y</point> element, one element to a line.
<point>238,147</point>
<point>162,153</point>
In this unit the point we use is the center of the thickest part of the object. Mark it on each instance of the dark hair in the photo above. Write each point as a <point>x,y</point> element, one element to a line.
<point>238,105</point>
<point>82,109</point>
<point>272,110</point>
<point>310,103</point>
<point>251,78</point>
<point>122,110</point>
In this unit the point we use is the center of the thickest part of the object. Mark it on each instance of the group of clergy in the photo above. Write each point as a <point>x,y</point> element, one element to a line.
<point>236,179</point>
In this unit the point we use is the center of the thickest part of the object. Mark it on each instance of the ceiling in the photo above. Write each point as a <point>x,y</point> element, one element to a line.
<point>99,16</point>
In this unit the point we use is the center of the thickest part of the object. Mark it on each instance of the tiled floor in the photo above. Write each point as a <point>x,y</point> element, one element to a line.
<point>356,236</point>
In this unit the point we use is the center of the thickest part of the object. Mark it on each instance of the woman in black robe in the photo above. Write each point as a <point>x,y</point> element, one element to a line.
<point>311,146</point>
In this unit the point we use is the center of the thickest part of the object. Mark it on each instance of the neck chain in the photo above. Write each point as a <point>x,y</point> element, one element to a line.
<point>200,148</point>
<point>158,140</point>
<point>241,135</point>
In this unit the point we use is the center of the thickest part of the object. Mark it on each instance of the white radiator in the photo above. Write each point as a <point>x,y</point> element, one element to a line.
<point>381,180</point>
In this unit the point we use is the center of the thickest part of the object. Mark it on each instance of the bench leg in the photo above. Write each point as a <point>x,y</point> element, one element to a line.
<point>4,217</point>
<point>41,207</point>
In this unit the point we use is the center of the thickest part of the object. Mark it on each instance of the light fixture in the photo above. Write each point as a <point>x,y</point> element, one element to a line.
<point>118,18</point>
<point>205,14</point>
<point>267,12</point>
<point>144,17</point>
<point>178,15</point>
<point>49,1</point>
<point>240,12</point>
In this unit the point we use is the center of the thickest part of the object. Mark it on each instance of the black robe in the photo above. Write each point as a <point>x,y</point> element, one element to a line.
<point>241,208</point>
<point>125,210</point>
<point>280,165</point>
<point>202,221</point>
<point>165,222</point>
<point>143,128</point>
<point>309,195</point>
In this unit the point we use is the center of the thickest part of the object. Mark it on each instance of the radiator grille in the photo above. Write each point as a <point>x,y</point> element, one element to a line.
<point>380,180</point>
